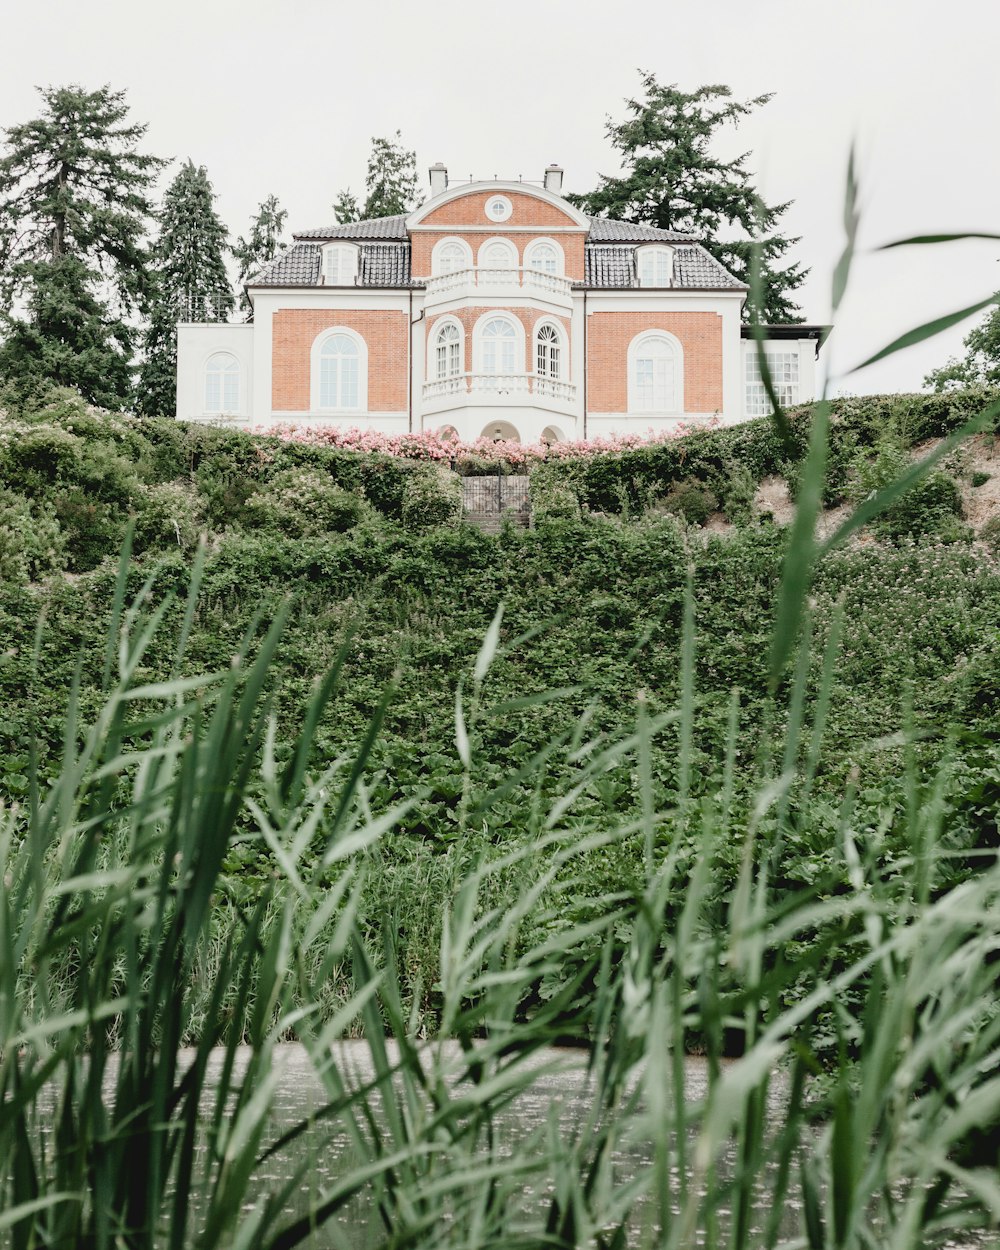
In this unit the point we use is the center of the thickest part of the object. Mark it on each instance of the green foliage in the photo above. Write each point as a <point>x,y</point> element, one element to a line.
<point>73,215</point>
<point>263,244</point>
<point>390,183</point>
<point>303,502</point>
<point>31,541</point>
<point>981,363</point>
<point>674,182</point>
<point>552,496</point>
<point>688,500</point>
<point>191,282</point>
<point>931,507</point>
<point>432,496</point>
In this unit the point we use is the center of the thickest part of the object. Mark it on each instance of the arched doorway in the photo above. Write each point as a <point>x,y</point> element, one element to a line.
<point>447,434</point>
<point>552,434</point>
<point>501,432</point>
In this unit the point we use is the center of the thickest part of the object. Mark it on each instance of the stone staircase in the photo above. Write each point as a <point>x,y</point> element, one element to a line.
<point>488,501</point>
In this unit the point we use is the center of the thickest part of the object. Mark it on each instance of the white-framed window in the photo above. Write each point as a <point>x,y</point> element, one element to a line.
<point>447,360</point>
<point>222,383</point>
<point>656,373</point>
<point>498,347</point>
<point>548,351</point>
<point>340,264</point>
<point>784,367</point>
<point>544,256</point>
<point>339,371</point>
<point>498,208</point>
<point>655,266</point>
<point>450,256</point>
<point>498,254</point>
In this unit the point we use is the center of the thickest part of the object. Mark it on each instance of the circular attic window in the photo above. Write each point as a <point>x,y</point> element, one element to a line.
<point>498,208</point>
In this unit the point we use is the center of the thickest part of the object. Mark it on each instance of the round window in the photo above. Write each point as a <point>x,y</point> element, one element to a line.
<point>498,208</point>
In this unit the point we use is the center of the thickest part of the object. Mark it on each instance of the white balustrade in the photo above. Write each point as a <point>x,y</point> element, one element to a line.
<point>502,279</point>
<point>500,384</point>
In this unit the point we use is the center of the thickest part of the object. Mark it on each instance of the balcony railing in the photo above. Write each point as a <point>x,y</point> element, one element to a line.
<point>533,280</point>
<point>500,384</point>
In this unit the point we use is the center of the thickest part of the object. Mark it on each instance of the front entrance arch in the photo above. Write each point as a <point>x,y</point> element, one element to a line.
<point>501,432</point>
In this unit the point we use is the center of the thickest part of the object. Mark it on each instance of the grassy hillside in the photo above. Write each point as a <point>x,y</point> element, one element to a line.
<point>365,556</point>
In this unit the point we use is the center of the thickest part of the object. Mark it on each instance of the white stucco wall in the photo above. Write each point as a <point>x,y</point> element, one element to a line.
<point>195,344</point>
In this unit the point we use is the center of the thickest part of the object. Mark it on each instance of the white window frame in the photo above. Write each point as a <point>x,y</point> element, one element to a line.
<point>315,363</point>
<point>478,344</point>
<point>674,403</point>
<point>225,375</point>
<point>786,374</point>
<point>661,260</point>
<point>507,246</point>
<point>433,374</point>
<point>439,249</point>
<point>340,264</point>
<point>537,245</point>
<point>506,207</point>
<point>560,345</point>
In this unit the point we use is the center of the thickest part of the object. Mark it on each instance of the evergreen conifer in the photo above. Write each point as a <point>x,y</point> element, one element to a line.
<point>261,246</point>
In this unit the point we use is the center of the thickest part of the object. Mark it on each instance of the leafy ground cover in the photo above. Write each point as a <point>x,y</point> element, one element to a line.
<point>364,556</point>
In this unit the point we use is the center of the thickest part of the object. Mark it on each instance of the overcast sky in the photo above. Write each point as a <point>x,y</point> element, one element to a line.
<point>285,99</point>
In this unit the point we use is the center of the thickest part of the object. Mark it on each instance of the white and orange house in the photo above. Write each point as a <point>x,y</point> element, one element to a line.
<point>494,309</point>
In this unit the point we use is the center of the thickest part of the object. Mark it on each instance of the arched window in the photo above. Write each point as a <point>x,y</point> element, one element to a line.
<point>655,374</point>
<point>548,352</point>
<point>222,383</point>
<point>655,266</point>
<point>340,264</point>
<point>450,256</point>
<point>498,346</point>
<point>543,256</point>
<point>448,351</point>
<point>497,254</point>
<point>339,371</point>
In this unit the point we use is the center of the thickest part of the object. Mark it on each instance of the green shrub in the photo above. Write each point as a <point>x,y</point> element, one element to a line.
<point>691,500</point>
<point>301,502</point>
<point>978,478</point>
<point>553,496</point>
<point>932,506</point>
<point>168,516</point>
<point>31,542</point>
<point>432,496</point>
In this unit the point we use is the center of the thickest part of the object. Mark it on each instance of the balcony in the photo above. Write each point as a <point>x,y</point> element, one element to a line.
<point>464,282</point>
<point>498,389</point>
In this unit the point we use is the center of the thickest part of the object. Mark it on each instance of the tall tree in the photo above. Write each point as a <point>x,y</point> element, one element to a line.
<point>981,364</point>
<point>346,207</point>
<point>673,181</point>
<point>190,281</point>
<point>262,245</point>
<point>390,181</point>
<point>74,211</point>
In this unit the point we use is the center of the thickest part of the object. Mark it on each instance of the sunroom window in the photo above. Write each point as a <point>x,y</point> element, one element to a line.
<point>784,368</point>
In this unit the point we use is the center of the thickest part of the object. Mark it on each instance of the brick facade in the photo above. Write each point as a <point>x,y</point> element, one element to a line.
<point>424,242</point>
<point>526,210</point>
<point>294,331</point>
<point>609,335</point>
<point>528,317</point>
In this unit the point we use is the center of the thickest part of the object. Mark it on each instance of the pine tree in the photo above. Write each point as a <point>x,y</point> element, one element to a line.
<point>190,282</point>
<point>73,218</point>
<point>981,364</point>
<point>673,181</point>
<point>391,180</point>
<point>254,252</point>
<point>346,207</point>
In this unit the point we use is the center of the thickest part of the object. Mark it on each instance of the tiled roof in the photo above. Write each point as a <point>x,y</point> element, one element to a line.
<point>696,267</point>
<point>297,265</point>
<point>379,264</point>
<point>373,228</point>
<point>613,265</point>
<point>384,264</point>
<point>604,230</point>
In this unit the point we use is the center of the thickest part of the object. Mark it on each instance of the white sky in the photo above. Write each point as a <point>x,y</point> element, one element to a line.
<point>285,99</point>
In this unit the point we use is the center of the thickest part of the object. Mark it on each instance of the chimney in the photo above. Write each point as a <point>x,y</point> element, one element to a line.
<point>553,179</point>
<point>439,178</point>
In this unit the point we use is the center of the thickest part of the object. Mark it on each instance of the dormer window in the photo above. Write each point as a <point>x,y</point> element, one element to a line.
<point>340,264</point>
<point>655,266</point>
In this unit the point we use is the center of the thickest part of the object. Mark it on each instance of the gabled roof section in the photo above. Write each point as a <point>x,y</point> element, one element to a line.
<point>459,190</point>
<point>605,230</point>
<point>373,228</point>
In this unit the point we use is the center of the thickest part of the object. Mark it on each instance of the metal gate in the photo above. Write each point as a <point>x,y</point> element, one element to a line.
<point>487,500</point>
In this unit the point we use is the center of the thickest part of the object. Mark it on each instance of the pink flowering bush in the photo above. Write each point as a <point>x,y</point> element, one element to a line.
<point>481,452</point>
